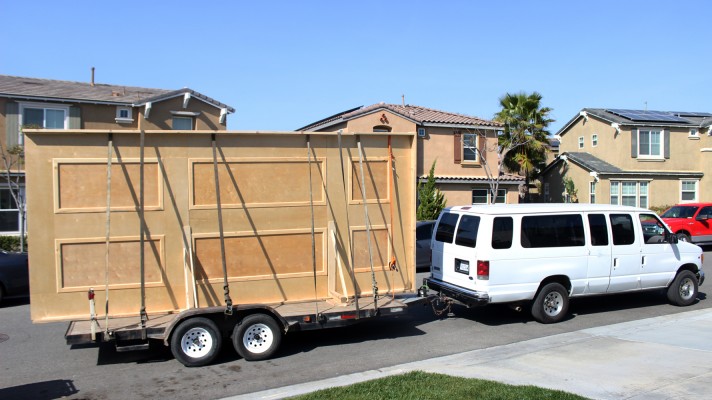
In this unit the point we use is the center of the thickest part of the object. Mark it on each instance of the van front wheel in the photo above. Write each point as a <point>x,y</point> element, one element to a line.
<point>551,304</point>
<point>683,290</point>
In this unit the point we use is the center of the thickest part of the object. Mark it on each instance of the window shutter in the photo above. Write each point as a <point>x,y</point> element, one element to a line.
<point>666,142</point>
<point>458,147</point>
<point>75,120</point>
<point>12,123</point>
<point>634,143</point>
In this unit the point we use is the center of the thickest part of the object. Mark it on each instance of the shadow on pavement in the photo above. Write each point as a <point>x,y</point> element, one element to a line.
<point>40,391</point>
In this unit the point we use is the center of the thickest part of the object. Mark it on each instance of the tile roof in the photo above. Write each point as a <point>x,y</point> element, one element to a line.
<point>49,89</point>
<point>592,163</point>
<point>504,178</point>
<point>420,115</point>
<point>687,119</point>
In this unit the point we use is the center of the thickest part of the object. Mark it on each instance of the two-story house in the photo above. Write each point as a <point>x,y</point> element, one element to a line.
<point>451,140</point>
<point>632,157</point>
<point>54,104</point>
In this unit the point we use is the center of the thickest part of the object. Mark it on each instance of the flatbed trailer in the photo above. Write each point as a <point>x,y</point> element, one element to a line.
<point>143,232</point>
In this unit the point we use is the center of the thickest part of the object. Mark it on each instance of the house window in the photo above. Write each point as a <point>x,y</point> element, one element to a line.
<point>182,123</point>
<point>594,140</point>
<point>382,128</point>
<point>9,212</point>
<point>123,115</point>
<point>44,116</point>
<point>421,132</point>
<point>482,196</point>
<point>581,142</point>
<point>694,133</point>
<point>592,192</point>
<point>630,193</point>
<point>650,143</point>
<point>469,147</point>
<point>688,191</point>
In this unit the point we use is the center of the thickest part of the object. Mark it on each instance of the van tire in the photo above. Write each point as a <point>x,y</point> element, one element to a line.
<point>683,289</point>
<point>551,304</point>
<point>257,337</point>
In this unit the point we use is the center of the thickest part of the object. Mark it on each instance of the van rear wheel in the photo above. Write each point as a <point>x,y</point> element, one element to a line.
<point>683,290</point>
<point>551,304</point>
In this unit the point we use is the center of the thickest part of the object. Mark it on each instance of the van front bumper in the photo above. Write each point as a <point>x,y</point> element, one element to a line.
<point>700,277</point>
<point>470,298</point>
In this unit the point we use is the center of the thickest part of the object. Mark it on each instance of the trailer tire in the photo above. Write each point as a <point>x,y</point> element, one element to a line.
<point>257,337</point>
<point>196,342</point>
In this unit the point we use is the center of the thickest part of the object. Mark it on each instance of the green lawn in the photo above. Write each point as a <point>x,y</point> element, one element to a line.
<point>420,385</point>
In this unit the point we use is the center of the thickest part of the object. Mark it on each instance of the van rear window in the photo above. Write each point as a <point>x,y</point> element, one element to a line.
<point>552,231</point>
<point>446,228</point>
<point>467,231</point>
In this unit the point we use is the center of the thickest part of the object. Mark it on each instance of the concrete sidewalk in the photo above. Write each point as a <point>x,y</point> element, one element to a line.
<point>668,357</point>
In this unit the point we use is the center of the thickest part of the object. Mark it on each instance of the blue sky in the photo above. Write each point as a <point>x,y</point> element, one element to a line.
<point>284,64</point>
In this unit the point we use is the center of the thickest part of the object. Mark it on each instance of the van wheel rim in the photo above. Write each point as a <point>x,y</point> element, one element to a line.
<point>687,289</point>
<point>258,338</point>
<point>553,303</point>
<point>197,342</point>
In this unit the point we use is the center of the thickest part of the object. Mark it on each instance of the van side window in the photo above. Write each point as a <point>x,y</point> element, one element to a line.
<point>502,228</point>
<point>552,231</point>
<point>446,228</point>
<point>467,231</point>
<point>653,229</point>
<point>599,231</point>
<point>622,229</point>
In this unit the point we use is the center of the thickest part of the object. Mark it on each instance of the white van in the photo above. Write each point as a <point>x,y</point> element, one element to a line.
<point>540,255</point>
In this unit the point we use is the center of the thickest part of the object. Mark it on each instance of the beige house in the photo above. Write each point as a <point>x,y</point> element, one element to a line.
<point>462,147</point>
<point>53,104</point>
<point>632,157</point>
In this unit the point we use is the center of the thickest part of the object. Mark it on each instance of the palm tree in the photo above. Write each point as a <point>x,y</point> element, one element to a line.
<point>523,143</point>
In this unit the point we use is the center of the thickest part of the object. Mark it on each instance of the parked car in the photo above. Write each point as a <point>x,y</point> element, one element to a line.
<point>423,235</point>
<point>690,222</point>
<point>14,275</point>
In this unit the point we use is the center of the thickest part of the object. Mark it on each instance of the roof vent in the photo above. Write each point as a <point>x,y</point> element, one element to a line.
<point>115,93</point>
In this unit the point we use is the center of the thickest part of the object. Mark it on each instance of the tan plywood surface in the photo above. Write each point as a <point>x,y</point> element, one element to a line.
<point>267,206</point>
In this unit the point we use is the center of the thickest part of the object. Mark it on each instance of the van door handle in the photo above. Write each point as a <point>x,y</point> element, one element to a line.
<point>642,261</point>
<point>615,263</point>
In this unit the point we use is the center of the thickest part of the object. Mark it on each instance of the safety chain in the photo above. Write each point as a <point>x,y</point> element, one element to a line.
<point>442,305</point>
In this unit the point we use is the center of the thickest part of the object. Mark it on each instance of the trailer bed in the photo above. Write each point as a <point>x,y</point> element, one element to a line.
<point>299,316</point>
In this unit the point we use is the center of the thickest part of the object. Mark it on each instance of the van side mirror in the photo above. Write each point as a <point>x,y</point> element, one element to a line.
<point>673,238</point>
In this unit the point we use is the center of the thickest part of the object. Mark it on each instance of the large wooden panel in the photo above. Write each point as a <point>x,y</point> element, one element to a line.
<point>82,263</point>
<point>375,178</point>
<point>258,182</point>
<point>81,186</point>
<point>260,256</point>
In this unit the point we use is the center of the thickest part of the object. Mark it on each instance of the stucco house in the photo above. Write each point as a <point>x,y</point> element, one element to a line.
<point>449,139</point>
<point>632,157</point>
<point>54,104</point>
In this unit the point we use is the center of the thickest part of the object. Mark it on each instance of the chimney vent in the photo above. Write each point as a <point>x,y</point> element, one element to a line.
<point>92,76</point>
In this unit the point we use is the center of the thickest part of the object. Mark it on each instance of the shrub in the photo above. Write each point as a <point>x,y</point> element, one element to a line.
<point>11,243</point>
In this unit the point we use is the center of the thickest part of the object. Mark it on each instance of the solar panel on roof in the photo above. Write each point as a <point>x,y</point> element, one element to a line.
<point>691,114</point>
<point>648,116</point>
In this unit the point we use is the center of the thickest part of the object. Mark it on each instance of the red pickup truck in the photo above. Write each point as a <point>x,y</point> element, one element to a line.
<point>691,222</point>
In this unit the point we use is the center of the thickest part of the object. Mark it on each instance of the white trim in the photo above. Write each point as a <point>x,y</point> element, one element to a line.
<point>185,113</point>
<point>186,99</point>
<point>695,135</point>
<point>147,111</point>
<point>650,129</point>
<point>594,140</point>
<point>581,142</point>
<point>697,190</point>
<point>124,120</point>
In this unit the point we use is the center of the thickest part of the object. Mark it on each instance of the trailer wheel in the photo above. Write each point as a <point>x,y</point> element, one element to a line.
<point>257,337</point>
<point>196,342</point>
<point>683,289</point>
<point>551,304</point>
